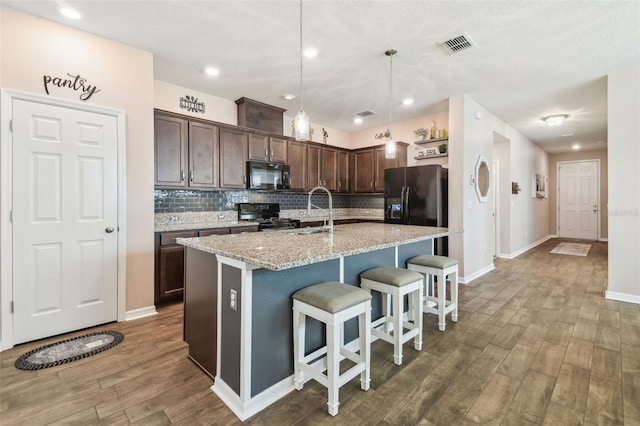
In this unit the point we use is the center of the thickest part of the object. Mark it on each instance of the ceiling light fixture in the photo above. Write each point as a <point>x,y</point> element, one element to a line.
<point>407,101</point>
<point>310,52</point>
<point>289,96</point>
<point>555,120</point>
<point>70,13</point>
<point>301,122</point>
<point>390,148</point>
<point>575,147</point>
<point>211,71</point>
<point>357,120</point>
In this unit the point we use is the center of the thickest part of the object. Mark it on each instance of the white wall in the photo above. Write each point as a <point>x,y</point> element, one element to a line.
<point>31,48</point>
<point>471,136</point>
<point>166,96</point>
<point>624,183</point>
<point>401,131</point>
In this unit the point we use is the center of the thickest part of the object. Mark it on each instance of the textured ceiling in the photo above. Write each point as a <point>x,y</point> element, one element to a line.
<point>532,59</point>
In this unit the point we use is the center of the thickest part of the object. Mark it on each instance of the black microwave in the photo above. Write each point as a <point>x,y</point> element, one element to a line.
<point>263,175</point>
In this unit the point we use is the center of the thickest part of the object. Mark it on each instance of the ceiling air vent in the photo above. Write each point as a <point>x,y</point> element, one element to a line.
<point>364,114</point>
<point>458,44</point>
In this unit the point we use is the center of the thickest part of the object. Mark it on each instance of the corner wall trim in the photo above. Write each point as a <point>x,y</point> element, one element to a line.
<point>622,297</point>
<point>468,278</point>
<point>140,313</point>
<point>527,248</point>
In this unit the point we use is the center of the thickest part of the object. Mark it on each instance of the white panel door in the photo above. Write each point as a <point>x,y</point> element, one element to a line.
<point>64,220</point>
<point>578,202</point>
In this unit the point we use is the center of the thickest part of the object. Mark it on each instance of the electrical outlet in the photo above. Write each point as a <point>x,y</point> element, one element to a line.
<point>233,300</point>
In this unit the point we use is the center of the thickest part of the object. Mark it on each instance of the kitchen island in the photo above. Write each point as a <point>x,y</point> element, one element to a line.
<point>249,279</point>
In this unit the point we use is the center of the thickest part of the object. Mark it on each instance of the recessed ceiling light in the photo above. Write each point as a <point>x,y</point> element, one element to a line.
<point>357,120</point>
<point>310,52</point>
<point>566,135</point>
<point>70,13</point>
<point>575,147</point>
<point>288,96</point>
<point>407,101</point>
<point>555,120</point>
<point>212,71</point>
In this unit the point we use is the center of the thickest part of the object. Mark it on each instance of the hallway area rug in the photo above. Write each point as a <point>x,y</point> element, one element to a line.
<point>572,249</point>
<point>69,350</point>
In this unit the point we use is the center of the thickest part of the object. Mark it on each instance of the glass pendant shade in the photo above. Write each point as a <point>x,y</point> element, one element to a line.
<point>390,149</point>
<point>301,126</point>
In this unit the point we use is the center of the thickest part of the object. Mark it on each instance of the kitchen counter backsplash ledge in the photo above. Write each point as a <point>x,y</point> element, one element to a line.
<point>166,222</point>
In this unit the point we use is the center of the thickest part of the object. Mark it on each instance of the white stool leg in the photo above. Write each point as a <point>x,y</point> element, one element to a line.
<point>333,366</point>
<point>386,311</point>
<point>454,295</point>
<point>442,297</point>
<point>398,308</point>
<point>365,343</point>
<point>299,320</point>
<point>417,319</point>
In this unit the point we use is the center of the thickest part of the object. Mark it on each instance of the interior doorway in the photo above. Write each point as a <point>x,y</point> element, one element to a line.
<point>63,227</point>
<point>578,199</point>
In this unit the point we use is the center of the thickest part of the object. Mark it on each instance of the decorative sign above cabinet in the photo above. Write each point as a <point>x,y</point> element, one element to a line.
<point>74,82</point>
<point>191,104</point>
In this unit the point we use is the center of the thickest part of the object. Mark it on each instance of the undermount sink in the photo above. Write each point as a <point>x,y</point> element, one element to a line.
<point>307,231</point>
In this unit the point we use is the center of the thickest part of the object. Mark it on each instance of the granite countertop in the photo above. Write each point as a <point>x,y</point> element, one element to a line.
<point>286,249</point>
<point>193,226</point>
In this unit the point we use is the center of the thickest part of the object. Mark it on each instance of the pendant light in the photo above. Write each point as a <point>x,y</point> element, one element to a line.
<point>301,122</point>
<point>390,147</point>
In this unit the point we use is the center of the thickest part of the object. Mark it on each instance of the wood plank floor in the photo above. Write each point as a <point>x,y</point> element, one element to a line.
<point>536,343</point>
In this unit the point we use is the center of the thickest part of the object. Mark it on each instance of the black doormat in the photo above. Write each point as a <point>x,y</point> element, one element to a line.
<point>69,350</point>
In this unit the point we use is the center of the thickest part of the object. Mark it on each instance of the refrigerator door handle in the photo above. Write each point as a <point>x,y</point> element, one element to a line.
<point>405,206</point>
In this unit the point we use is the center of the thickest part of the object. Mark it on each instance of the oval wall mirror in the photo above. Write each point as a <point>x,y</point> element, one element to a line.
<point>482,179</point>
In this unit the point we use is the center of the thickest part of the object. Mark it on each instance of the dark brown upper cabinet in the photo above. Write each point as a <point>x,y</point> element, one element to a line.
<point>186,153</point>
<point>297,160</point>
<point>234,153</point>
<point>263,147</point>
<point>369,165</point>
<point>343,169</point>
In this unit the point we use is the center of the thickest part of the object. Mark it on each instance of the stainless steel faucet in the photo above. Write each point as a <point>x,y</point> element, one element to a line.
<point>329,227</point>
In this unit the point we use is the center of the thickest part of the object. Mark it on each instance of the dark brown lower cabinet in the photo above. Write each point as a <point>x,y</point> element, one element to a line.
<point>201,309</point>
<point>169,265</point>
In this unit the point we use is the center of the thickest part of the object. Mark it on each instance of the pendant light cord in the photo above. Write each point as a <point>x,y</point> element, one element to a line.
<point>301,89</point>
<point>390,87</point>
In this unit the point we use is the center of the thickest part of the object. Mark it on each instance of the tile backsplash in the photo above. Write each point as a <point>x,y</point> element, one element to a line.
<point>178,201</point>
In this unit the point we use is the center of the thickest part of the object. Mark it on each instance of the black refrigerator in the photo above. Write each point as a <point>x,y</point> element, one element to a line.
<point>418,196</point>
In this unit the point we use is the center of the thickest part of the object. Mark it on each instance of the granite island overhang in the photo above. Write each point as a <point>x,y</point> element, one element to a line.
<point>255,275</point>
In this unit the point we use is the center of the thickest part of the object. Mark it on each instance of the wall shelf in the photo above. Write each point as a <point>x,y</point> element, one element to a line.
<point>424,157</point>
<point>426,141</point>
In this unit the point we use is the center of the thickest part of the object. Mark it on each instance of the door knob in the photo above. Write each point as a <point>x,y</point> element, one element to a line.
<point>109,229</point>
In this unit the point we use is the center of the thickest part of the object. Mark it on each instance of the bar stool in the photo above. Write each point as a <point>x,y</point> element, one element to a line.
<point>396,282</point>
<point>441,267</point>
<point>332,303</point>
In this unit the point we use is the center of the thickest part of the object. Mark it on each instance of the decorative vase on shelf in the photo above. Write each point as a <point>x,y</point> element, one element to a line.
<point>434,130</point>
<point>421,134</point>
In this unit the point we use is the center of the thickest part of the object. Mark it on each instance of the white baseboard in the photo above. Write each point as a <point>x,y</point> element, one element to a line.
<point>622,297</point>
<point>468,278</point>
<point>140,313</point>
<point>244,410</point>
<point>606,240</point>
<point>527,248</point>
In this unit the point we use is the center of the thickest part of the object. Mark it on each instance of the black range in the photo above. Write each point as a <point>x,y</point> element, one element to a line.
<point>267,215</point>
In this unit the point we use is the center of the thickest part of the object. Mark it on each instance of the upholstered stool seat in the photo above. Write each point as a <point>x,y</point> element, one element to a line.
<point>396,283</point>
<point>332,303</point>
<point>442,267</point>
